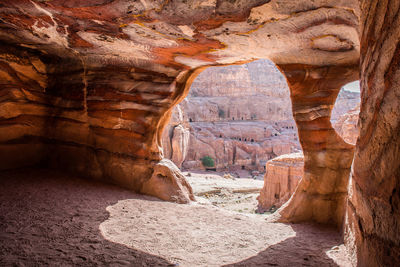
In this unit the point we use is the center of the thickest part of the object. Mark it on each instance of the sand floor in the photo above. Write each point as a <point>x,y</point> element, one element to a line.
<point>49,218</point>
<point>235,194</point>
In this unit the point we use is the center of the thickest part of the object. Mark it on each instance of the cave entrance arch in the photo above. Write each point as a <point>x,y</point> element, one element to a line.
<point>154,76</point>
<point>255,92</point>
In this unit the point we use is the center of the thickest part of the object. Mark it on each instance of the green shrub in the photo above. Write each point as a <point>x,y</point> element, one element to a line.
<point>208,161</point>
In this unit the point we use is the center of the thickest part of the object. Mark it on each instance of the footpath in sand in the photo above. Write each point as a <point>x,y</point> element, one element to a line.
<point>51,218</point>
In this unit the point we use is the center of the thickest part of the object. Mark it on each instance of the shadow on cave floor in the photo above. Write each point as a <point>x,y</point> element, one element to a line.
<point>51,218</point>
<point>313,245</point>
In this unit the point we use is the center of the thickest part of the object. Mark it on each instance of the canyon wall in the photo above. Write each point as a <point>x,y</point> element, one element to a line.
<point>373,211</point>
<point>89,86</point>
<point>240,116</point>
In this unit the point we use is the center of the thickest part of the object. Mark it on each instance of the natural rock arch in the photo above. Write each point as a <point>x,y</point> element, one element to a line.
<point>93,97</point>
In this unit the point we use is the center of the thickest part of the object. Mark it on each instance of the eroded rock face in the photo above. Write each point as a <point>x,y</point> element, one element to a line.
<point>168,183</point>
<point>321,194</point>
<point>282,176</point>
<point>88,87</point>
<point>373,210</point>
<point>180,144</point>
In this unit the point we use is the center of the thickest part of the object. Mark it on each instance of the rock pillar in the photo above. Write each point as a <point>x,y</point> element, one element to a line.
<point>321,194</point>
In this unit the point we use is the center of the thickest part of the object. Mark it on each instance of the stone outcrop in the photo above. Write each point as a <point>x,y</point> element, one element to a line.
<point>240,116</point>
<point>373,210</point>
<point>168,183</point>
<point>346,125</point>
<point>89,86</point>
<point>282,176</point>
<point>321,194</point>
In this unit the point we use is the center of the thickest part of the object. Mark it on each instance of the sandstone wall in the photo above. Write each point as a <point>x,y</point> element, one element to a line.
<point>373,210</point>
<point>282,176</point>
<point>89,87</point>
<point>321,194</point>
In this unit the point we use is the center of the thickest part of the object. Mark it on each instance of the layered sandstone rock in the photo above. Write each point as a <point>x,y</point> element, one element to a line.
<point>321,194</point>
<point>230,121</point>
<point>373,211</point>
<point>282,176</point>
<point>346,102</point>
<point>89,86</point>
<point>168,183</point>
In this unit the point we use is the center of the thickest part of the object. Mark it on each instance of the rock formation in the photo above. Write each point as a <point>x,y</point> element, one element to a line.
<point>240,116</point>
<point>373,210</point>
<point>282,176</point>
<point>346,101</point>
<point>321,194</point>
<point>168,183</point>
<point>89,86</point>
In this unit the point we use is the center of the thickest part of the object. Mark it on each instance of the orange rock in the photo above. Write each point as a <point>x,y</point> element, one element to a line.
<point>282,176</point>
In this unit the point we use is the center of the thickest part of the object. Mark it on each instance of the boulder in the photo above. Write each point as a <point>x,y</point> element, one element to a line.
<point>168,183</point>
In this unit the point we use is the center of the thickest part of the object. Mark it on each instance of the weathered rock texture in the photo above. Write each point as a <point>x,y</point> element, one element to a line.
<point>89,86</point>
<point>373,211</point>
<point>282,176</point>
<point>168,183</point>
<point>241,116</point>
<point>321,194</point>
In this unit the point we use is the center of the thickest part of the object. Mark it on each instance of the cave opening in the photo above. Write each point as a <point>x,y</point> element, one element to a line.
<point>346,111</point>
<point>275,136</point>
<point>94,103</point>
<point>219,100</point>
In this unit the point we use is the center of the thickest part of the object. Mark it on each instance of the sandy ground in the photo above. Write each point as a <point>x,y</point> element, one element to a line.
<point>51,218</point>
<point>235,194</point>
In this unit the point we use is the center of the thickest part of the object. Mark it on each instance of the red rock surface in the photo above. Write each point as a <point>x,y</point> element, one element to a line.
<point>373,210</point>
<point>282,176</point>
<point>88,87</point>
<point>321,194</point>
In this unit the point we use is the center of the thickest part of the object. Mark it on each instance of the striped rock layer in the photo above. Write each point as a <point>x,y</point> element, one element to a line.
<point>88,86</point>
